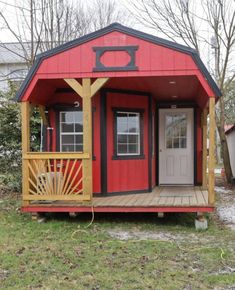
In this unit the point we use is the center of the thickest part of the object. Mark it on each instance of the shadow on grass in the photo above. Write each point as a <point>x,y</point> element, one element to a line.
<point>170,219</point>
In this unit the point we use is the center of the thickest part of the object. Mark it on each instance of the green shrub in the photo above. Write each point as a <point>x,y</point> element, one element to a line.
<point>10,139</point>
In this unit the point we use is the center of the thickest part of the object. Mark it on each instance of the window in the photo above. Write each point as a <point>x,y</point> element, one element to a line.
<point>176,131</point>
<point>71,131</point>
<point>128,134</point>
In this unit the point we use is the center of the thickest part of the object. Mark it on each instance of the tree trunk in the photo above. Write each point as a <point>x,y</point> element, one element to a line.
<point>225,154</point>
<point>223,139</point>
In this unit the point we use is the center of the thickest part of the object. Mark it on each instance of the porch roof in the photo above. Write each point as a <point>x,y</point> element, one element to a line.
<point>192,73</point>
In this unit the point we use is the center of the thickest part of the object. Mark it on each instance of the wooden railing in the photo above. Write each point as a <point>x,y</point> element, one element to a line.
<point>52,176</point>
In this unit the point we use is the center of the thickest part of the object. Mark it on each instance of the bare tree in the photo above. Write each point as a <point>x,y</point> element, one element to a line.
<point>44,24</point>
<point>104,12</point>
<point>59,22</point>
<point>188,21</point>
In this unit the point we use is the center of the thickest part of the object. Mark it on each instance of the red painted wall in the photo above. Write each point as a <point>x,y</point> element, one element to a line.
<point>64,99</point>
<point>79,62</point>
<point>126,175</point>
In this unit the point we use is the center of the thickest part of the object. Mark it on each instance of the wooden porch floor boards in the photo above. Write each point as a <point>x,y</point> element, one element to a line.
<point>165,196</point>
<point>160,196</point>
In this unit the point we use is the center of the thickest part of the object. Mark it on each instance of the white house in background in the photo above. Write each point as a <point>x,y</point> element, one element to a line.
<point>230,134</point>
<point>12,64</point>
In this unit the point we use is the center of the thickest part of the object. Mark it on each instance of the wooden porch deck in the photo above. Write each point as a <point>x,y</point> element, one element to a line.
<point>160,196</point>
<point>161,199</point>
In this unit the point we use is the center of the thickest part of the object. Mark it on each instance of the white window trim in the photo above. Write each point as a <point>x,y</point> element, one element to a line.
<point>67,133</point>
<point>128,133</point>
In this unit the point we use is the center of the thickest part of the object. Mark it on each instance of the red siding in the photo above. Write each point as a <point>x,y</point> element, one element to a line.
<point>126,175</point>
<point>151,59</point>
<point>63,99</point>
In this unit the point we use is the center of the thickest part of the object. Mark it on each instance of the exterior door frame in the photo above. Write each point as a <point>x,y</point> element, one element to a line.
<point>178,105</point>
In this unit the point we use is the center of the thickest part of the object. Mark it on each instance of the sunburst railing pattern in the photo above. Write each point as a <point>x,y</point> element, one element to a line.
<point>55,176</point>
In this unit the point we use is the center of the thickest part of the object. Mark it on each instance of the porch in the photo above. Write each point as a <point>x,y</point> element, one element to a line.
<point>161,199</point>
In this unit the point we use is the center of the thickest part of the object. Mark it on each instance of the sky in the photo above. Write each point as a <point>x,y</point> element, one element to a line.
<point>7,7</point>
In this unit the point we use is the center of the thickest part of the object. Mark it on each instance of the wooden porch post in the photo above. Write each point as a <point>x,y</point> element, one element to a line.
<point>87,136</point>
<point>25,129</point>
<point>204,148</point>
<point>211,163</point>
<point>87,90</point>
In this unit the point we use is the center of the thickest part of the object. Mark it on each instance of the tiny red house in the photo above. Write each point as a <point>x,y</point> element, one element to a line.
<point>125,126</point>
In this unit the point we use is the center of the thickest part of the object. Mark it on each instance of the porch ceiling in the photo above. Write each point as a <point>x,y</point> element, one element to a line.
<point>162,88</point>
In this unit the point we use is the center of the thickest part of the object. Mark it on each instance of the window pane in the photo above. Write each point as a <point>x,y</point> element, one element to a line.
<point>176,130</point>
<point>67,117</point>
<point>183,121</point>
<point>122,149</point>
<point>182,142</point>
<point>122,138</point>
<point>133,123</point>
<point>133,139</point>
<point>133,148</point>
<point>67,127</point>
<point>78,117</point>
<point>67,148</point>
<point>176,143</point>
<point>169,132</point>
<point>78,128</point>
<point>183,131</point>
<point>168,143</point>
<point>79,147</point>
<point>78,139</point>
<point>122,124</point>
<point>67,139</point>
<point>168,120</point>
<point>133,128</point>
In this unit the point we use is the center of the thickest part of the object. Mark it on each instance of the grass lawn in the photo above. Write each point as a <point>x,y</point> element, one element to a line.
<point>64,254</point>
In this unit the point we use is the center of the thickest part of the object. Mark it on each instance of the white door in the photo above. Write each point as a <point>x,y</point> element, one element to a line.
<point>176,144</point>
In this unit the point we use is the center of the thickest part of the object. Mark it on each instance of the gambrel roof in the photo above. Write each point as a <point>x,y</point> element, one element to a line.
<point>128,31</point>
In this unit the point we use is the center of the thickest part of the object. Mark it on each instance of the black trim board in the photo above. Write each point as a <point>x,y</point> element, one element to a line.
<point>195,145</point>
<point>103,143</point>
<point>178,105</point>
<point>150,141</point>
<point>157,144</point>
<point>131,50</point>
<point>123,29</point>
